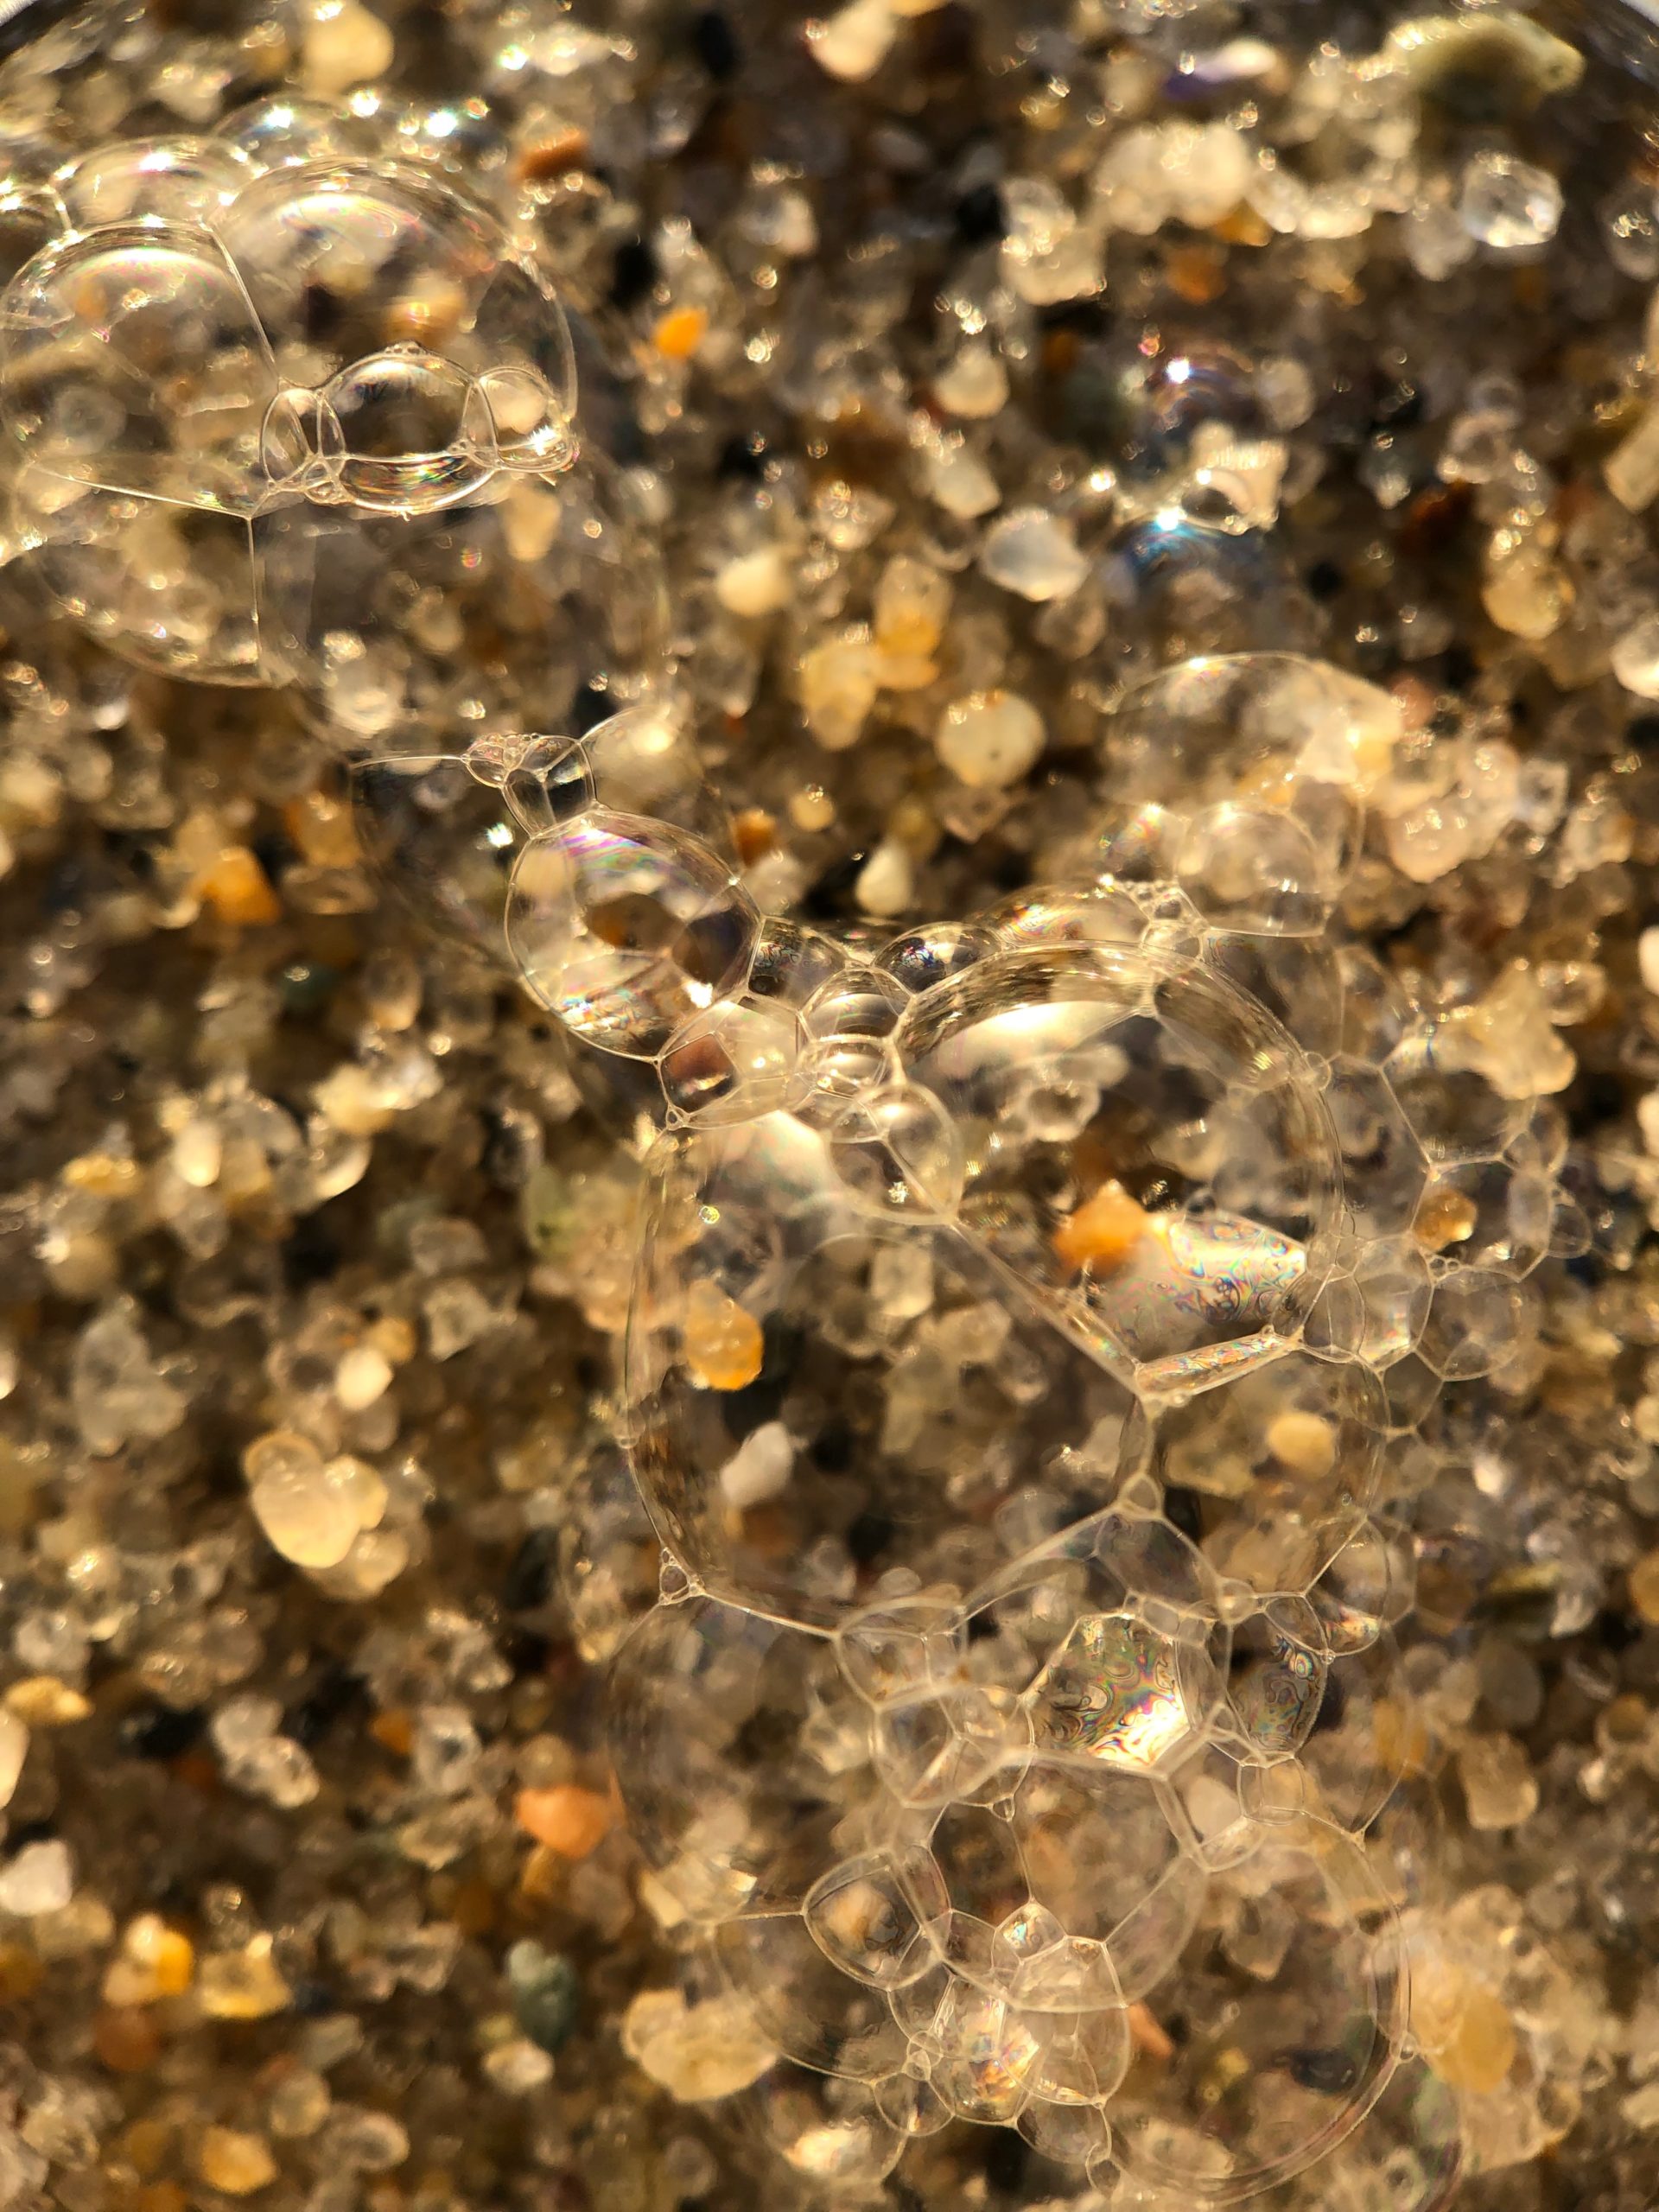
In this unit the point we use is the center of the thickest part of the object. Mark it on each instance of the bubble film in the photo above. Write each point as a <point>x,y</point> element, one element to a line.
<point>1008,1380</point>
<point>280,400</point>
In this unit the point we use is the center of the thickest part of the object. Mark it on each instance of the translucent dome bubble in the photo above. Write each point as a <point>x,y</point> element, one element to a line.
<point>343,261</point>
<point>1101,1857</point>
<point>817,2016</point>
<point>1277,2066</point>
<point>1279,1674</point>
<point>1262,764</point>
<point>279,418</point>
<point>1279,1464</point>
<point>526,607</point>
<point>441,840</point>
<point>288,131</point>
<point>184,181</point>
<point>693,1684</point>
<point>831,2134</point>
<point>626,930</point>
<point>1383,1166</point>
<point>1198,588</point>
<point>1185,1226</point>
<point>1408,2146</point>
<point>819,1391</point>
<point>871,1915</point>
<point>1126,1692</point>
<point>32,211</point>
<point>1347,1770</point>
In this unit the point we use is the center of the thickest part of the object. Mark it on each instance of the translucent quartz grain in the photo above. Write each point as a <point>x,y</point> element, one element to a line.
<point>991,739</point>
<point>1499,1786</point>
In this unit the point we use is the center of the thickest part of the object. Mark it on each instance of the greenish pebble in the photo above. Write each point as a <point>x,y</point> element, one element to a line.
<point>546,1993</point>
<point>551,1220</point>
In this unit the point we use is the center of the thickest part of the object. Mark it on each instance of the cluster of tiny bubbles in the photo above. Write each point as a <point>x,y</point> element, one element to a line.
<point>288,405</point>
<point>1027,1314</point>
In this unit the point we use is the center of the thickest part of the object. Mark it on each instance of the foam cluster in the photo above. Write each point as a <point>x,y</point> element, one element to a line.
<point>1024,1312</point>
<point>260,380</point>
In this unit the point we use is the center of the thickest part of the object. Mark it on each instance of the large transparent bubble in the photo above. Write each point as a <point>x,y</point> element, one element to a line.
<point>996,1212</point>
<point>1287,2030</point>
<point>710,1717</point>
<point>818,1395</point>
<point>1243,777</point>
<point>1178,1221</point>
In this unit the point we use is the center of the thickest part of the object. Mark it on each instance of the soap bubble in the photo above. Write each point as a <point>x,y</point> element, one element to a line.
<point>897,1151</point>
<point>916,1386</point>
<point>1297,979</point>
<point>870,1915</point>
<point>1255,869</point>
<point>1196,589</point>
<point>1366,1587</point>
<point>441,840</point>
<point>1477,1317</point>
<point>733,1063</point>
<point>288,131</point>
<point>718,1825</point>
<point>1123,1692</point>
<point>1278,1680</point>
<point>831,2133</point>
<point>626,930</point>
<point>1187,1225</point>
<point>314,420</point>
<point>1310,738</point>
<point>952,1744</point>
<point>1382,1163</point>
<point>160,181</point>
<point>1282,2055</point>
<point>890,1650</point>
<point>1488,1213</point>
<point>1101,1856</point>
<point>1455,1112</point>
<point>817,2016</point>
<point>923,957</point>
<point>1370,1735</point>
<point>1406,2152</point>
<point>1280,1464</point>
<point>32,211</point>
<point>1153,408</point>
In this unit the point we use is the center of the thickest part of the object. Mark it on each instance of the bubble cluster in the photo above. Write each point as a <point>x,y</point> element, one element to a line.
<point>278,403</point>
<point>1027,1312</point>
<point>1045,1855</point>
